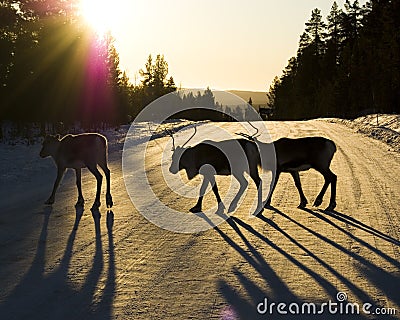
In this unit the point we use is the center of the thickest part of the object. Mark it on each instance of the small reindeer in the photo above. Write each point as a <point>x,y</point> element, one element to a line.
<point>211,158</point>
<point>77,152</point>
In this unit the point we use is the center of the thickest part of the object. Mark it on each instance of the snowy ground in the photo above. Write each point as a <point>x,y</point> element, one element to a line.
<point>383,127</point>
<point>57,264</point>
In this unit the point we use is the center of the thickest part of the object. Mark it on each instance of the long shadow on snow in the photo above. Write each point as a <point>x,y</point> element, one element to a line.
<point>384,280</point>
<point>358,224</point>
<point>387,282</point>
<point>280,292</point>
<point>40,296</point>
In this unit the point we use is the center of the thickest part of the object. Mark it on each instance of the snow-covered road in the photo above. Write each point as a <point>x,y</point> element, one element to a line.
<point>120,266</point>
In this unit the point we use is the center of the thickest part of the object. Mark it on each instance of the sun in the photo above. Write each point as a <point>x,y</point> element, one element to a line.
<point>102,16</point>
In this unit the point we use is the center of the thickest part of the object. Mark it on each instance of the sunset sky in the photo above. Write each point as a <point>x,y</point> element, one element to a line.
<point>222,44</point>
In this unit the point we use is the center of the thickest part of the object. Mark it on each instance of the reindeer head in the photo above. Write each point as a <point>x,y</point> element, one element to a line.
<point>177,163</point>
<point>50,146</point>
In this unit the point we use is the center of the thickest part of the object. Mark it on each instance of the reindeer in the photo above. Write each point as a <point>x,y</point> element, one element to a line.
<point>210,158</point>
<point>294,155</point>
<point>77,152</point>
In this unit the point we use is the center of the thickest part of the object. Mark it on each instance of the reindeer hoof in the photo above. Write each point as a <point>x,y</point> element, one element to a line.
<point>331,207</point>
<point>109,201</point>
<point>317,202</point>
<point>195,210</point>
<point>267,205</point>
<point>302,204</point>
<point>258,211</point>
<point>232,207</point>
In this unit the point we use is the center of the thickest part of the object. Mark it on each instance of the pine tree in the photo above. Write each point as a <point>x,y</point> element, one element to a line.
<point>334,34</point>
<point>154,82</point>
<point>271,94</point>
<point>315,30</point>
<point>147,73</point>
<point>352,20</point>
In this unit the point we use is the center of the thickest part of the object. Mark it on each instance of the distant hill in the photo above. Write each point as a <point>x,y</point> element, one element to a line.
<point>258,97</point>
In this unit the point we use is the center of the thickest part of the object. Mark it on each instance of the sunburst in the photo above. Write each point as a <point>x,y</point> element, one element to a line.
<point>102,16</point>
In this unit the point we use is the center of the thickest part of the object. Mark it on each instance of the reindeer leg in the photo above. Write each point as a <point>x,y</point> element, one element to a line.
<point>243,185</point>
<point>303,199</point>
<point>330,178</point>
<point>203,189</point>
<point>275,178</point>
<point>78,175</point>
<point>109,201</point>
<point>257,180</point>
<point>60,173</point>
<point>332,202</point>
<point>93,169</point>
<point>216,193</point>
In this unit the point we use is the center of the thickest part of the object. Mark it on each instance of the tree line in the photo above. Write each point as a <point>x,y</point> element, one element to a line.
<point>53,69</point>
<point>345,66</point>
<point>204,105</point>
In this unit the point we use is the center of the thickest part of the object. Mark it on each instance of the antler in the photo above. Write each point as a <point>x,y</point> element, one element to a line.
<point>173,139</point>
<point>150,130</point>
<point>194,133</point>
<point>247,136</point>
<point>254,127</point>
<point>171,134</point>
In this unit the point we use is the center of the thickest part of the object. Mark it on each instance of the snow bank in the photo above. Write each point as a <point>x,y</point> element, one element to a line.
<point>383,127</point>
